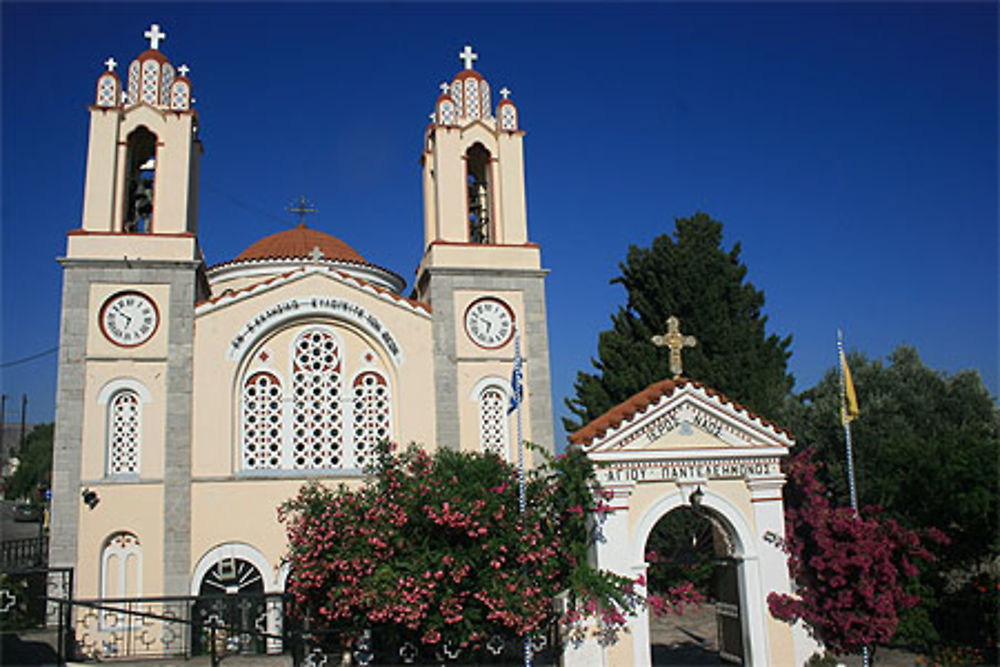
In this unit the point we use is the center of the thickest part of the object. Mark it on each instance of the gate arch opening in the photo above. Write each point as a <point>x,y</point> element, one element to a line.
<point>691,548</point>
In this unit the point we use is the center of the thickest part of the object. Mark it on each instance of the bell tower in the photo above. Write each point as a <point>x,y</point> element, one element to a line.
<point>131,277</point>
<point>479,269</point>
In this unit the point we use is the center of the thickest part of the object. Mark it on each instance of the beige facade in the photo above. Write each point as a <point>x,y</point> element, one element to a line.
<point>194,400</point>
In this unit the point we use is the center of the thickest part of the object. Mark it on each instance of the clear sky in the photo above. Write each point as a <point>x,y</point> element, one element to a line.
<point>851,149</point>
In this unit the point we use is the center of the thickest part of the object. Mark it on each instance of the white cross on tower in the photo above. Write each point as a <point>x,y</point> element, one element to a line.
<point>154,36</point>
<point>468,56</point>
<point>444,87</point>
<point>505,92</point>
<point>183,70</point>
<point>111,64</point>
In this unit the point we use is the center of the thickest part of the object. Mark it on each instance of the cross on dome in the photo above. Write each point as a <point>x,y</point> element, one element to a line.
<point>111,64</point>
<point>676,341</point>
<point>468,56</point>
<point>154,36</point>
<point>302,208</point>
<point>183,70</point>
<point>444,87</point>
<point>316,254</point>
<point>505,91</point>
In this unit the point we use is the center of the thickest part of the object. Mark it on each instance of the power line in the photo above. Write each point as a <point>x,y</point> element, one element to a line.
<point>25,360</point>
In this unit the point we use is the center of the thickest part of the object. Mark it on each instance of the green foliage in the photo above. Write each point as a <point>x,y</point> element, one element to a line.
<point>35,468</point>
<point>691,276</point>
<point>926,450</point>
<point>925,447</point>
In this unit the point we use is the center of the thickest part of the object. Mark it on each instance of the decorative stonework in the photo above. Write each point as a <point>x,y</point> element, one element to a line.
<point>124,433</point>
<point>493,421</point>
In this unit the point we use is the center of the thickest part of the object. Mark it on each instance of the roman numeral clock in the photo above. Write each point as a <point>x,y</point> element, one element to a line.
<point>129,319</point>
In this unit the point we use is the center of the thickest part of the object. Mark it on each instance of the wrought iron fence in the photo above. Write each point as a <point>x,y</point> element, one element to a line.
<point>24,553</point>
<point>174,627</point>
<point>183,627</point>
<point>382,646</point>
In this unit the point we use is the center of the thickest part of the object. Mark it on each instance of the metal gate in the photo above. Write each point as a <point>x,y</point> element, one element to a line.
<point>728,623</point>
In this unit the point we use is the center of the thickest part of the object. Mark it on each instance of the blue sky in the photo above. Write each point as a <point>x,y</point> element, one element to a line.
<point>850,148</point>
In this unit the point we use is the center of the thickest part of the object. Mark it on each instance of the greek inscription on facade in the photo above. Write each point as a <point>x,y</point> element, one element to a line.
<point>319,305</point>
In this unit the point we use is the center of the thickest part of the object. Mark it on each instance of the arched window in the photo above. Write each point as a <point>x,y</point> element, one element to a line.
<point>493,432</point>
<point>124,433</point>
<point>480,194</point>
<point>371,423</point>
<point>262,429</point>
<point>121,567</point>
<point>316,386</point>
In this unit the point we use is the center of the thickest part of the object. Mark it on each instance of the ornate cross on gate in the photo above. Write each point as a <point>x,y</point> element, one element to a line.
<point>676,341</point>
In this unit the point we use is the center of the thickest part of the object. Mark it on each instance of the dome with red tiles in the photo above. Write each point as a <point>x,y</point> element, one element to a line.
<point>301,242</point>
<point>294,249</point>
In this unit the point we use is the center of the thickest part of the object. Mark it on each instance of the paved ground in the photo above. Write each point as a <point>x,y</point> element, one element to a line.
<point>690,639</point>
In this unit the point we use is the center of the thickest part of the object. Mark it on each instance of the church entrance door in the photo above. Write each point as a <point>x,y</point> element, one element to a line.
<point>231,596</point>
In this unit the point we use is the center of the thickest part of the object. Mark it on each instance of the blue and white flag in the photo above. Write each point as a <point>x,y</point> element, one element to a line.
<point>516,377</point>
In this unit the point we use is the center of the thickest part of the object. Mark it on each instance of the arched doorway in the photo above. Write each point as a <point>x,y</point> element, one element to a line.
<point>691,549</point>
<point>231,598</point>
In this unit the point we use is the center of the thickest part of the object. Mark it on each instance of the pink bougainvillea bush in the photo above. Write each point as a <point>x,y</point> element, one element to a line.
<point>434,550</point>
<point>851,572</point>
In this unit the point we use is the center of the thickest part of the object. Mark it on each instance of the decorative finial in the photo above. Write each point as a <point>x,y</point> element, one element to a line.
<point>111,64</point>
<point>444,87</point>
<point>433,117</point>
<point>468,56</point>
<point>154,36</point>
<point>505,91</point>
<point>676,341</point>
<point>316,254</point>
<point>183,70</point>
<point>302,208</point>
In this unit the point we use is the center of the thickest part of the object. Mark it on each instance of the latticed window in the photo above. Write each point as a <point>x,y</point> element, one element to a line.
<point>133,82</point>
<point>317,419</point>
<point>150,82</point>
<point>107,91</point>
<point>493,421</point>
<point>124,433</point>
<point>471,98</point>
<point>262,431</point>
<point>371,415</point>
<point>167,78</point>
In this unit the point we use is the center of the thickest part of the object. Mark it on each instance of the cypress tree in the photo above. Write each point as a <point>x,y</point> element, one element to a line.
<point>691,276</point>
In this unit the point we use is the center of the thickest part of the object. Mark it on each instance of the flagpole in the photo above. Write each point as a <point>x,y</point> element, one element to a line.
<point>517,390</point>
<point>845,419</point>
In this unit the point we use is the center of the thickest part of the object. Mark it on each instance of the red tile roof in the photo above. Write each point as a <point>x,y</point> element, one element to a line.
<point>298,242</point>
<point>648,396</point>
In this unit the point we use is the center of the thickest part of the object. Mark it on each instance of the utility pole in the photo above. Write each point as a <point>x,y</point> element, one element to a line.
<point>24,412</point>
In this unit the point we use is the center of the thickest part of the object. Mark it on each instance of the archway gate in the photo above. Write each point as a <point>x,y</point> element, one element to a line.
<point>676,443</point>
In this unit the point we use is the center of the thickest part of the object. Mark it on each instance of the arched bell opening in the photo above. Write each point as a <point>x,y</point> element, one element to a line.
<point>480,195</point>
<point>140,181</point>
<point>693,549</point>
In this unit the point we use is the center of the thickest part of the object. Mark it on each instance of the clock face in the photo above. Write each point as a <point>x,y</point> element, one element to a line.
<point>129,318</point>
<point>489,323</point>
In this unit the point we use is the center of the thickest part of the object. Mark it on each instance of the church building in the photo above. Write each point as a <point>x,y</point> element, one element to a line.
<point>194,399</point>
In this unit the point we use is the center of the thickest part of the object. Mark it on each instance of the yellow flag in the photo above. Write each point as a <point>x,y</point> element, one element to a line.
<point>849,402</point>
